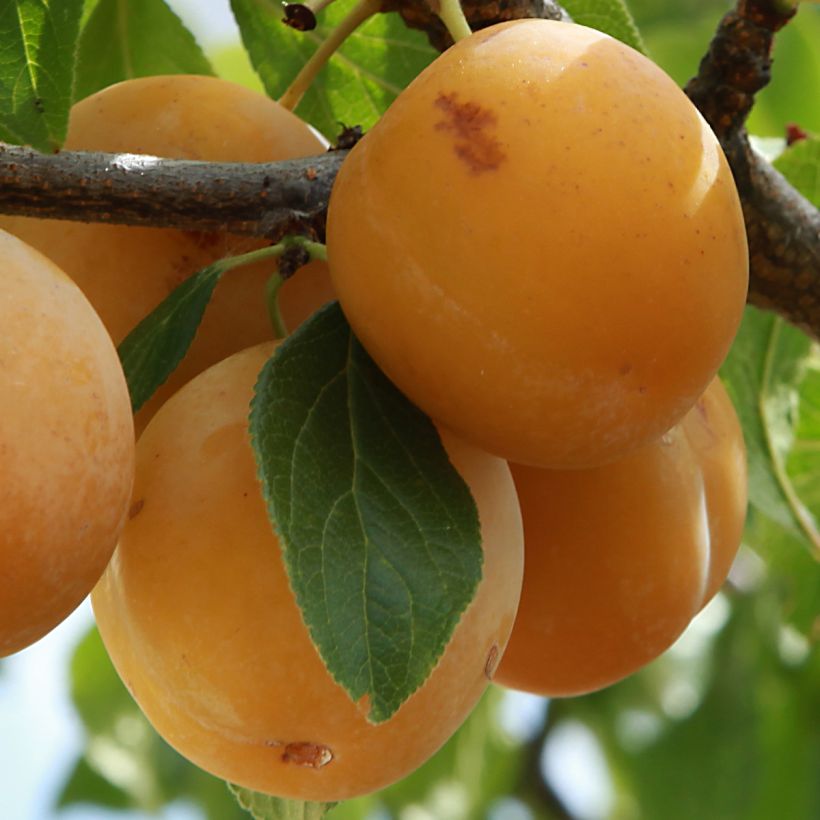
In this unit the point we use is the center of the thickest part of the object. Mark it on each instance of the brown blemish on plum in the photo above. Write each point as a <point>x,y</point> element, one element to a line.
<point>471,124</point>
<point>136,508</point>
<point>310,755</point>
<point>491,664</point>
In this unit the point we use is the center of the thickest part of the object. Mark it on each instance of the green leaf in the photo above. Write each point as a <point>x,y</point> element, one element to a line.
<point>792,94</point>
<point>791,572</point>
<point>123,39</point>
<point>749,749</point>
<point>152,350</point>
<point>800,164</point>
<point>100,699</point>
<point>610,16</point>
<point>85,785</point>
<point>37,50</point>
<point>113,723</point>
<point>479,763</point>
<point>803,463</point>
<point>677,39</point>
<point>361,80</point>
<point>380,533</point>
<point>88,9</point>
<point>266,807</point>
<point>763,373</point>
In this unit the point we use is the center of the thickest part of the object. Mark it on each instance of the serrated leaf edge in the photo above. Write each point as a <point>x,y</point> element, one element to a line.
<point>272,518</point>
<point>239,793</point>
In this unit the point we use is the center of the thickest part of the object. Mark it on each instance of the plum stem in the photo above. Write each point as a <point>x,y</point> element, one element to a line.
<point>362,11</point>
<point>452,15</point>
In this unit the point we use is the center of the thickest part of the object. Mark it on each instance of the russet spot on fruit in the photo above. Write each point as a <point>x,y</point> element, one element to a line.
<point>541,244</point>
<point>198,617</point>
<point>66,446</point>
<point>124,271</point>
<point>620,558</point>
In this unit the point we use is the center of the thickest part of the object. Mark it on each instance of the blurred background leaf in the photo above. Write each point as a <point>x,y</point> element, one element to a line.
<point>800,164</point>
<point>677,33</point>
<point>125,763</point>
<point>122,39</point>
<point>612,16</point>
<point>740,741</point>
<point>763,374</point>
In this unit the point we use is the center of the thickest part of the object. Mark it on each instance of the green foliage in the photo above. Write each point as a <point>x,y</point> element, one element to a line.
<point>87,785</point>
<point>771,373</point>
<point>37,46</point>
<point>361,79</point>
<point>477,766</point>
<point>803,462</point>
<point>677,34</point>
<point>126,764</point>
<point>380,533</point>
<point>265,807</point>
<point>611,16</point>
<point>358,486</point>
<point>154,348</point>
<point>122,39</point>
<point>763,373</point>
<point>800,164</point>
<point>740,741</point>
<point>793,92</point>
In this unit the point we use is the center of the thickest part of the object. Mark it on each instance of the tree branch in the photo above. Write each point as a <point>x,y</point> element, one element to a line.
<point>420,14</point>
<point>783,228</point>
<point>265,199</point>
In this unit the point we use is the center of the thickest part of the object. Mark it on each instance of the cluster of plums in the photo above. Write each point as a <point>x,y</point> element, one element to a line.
<point>540,243</point>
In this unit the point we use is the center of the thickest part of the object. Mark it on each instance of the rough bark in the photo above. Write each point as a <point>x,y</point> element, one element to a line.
<point>420,14</point>
<point>269,199</point>
<point>783,228</point>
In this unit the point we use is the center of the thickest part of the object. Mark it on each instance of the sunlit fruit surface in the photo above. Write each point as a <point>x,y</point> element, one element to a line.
<point>66,446</point>
<point>197,615</point>
<point>620,558</point>
<point>542,245</point>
